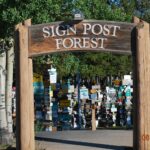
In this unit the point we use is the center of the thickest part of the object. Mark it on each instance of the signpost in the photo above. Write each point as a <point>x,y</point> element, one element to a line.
<point>86,35</point>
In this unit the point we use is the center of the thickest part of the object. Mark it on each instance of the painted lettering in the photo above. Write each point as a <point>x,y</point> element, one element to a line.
<point>86,27</point>
<point>97,29</point>
<point>70,39</point>
<point>102,42</point>
<point>68,43</point>
<point>77,43</point>
<point>60,32</point>
<point>94,43</point>
<point>58,43</point>
<point>86,43</point>
<point>71,29</point>
<point>46,32</point>
<point>115,29</point>
<point>106,31</point>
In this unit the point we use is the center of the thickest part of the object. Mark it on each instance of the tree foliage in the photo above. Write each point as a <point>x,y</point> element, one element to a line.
<point>143,9</point>
<point>44,11</point>
<point>139,8</point>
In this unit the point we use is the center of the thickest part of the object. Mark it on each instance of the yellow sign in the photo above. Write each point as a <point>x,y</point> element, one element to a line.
<point>117,82</point>
<point>37,77</point>
<point>64,103</point>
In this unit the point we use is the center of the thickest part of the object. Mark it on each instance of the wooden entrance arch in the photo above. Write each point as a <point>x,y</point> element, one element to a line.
<point>86,35</point>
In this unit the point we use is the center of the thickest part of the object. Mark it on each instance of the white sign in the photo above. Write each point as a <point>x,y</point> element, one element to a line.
<point>113,108</point>
<point>52,75</point>
<point>127,82</point>
<point>96,87</point>
<point>84,93</point>
<point>127,77</point>
<point>111,92</point>
<point>71,89</point>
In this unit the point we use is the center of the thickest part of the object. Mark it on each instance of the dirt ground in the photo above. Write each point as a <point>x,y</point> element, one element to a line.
<point>86,140</point>
<point>82,140</point>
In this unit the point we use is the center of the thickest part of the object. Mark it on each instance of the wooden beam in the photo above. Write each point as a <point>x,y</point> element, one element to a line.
<point>86,36</point>
<point>17,76</point>
<point>31,96</point>
<point>135,88</point>
<point>93,118</point>
<point>25,134</point>
<point>142,130</point>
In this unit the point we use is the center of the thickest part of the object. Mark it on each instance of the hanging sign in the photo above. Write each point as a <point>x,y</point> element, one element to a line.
<point>127,80</point>
<point>64,103</point>
<point>37,77</point>
<point>71,89</point>
<point>84,93</point>
<point>96,87</point>
<point>52,75</point>
<point>80,35</point>
<point>111,92</point>
<point>117,82</point>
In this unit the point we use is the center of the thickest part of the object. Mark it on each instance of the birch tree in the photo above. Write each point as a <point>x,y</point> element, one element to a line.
<point>9,81</point>
<point>3,120</point>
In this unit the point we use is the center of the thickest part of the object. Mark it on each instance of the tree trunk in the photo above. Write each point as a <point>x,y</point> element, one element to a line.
<point>3,121</point>
<point>9,81</point>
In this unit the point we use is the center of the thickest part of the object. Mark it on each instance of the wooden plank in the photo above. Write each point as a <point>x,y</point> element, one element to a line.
<point>135,91</point>
<point>24,97</point>
<point>31,97</point>
<point>143,86</point>
<point>88,35</point>
<point>147,80</point>
<point>31,101</point>
<point>17,70</point>
<point>26,137</point>
<point>148,107</point>
<point>93,118</point>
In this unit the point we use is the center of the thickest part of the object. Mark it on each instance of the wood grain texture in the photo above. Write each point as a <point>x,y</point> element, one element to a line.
<point>118,44</point>
<point>27,23</point>
<point>24,96</point>
<point>135,91</point>
<point>26,124</point>
<point>93,118</point>
<point>142,139</point>
<point>17,76</point>
<point>31,103</point>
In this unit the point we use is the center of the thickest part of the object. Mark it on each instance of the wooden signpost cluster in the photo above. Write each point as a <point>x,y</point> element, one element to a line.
<point>86,35</point>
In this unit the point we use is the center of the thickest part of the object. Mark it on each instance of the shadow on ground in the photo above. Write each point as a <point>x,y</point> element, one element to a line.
<point>115,147</point>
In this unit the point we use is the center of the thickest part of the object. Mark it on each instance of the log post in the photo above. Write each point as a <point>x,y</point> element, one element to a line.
<point>93,118</point>
<point>25,116</point>
<point>142,101</point>
<point>31,96</point>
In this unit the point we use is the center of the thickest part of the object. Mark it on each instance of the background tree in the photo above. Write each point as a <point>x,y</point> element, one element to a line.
<point>97,9</point>
<point>139,8</point>
<point>13,12</point>
<point>143,10</point>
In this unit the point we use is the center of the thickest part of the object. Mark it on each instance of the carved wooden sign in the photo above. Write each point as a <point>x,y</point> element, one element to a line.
<point>86,35</point>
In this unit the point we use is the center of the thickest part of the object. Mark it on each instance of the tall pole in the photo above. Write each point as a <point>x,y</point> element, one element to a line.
<point>142,87</point>
<point>79,102</point>
<point>24,85</point>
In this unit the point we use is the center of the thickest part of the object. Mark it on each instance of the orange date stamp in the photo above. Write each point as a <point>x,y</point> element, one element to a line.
<point>145,137</point>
